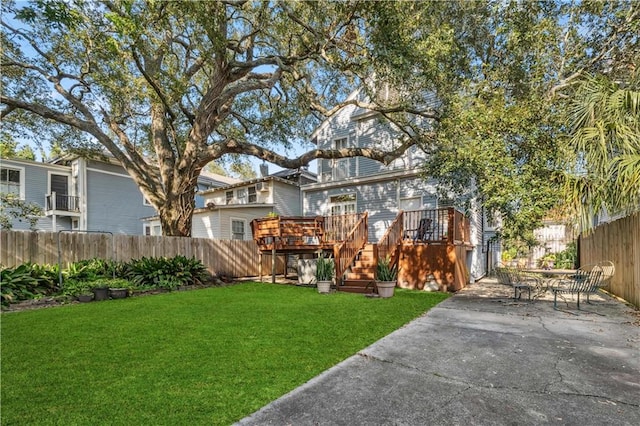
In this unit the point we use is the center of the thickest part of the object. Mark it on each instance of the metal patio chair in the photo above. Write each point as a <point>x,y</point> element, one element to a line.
<point>586,280</point>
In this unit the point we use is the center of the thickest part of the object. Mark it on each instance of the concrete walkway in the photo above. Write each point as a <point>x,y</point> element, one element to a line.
<point>479,358</point>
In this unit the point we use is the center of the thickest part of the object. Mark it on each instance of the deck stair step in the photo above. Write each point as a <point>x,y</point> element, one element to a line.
<point>364,264</point>
<point>357,286</point>
<point>360,276</point>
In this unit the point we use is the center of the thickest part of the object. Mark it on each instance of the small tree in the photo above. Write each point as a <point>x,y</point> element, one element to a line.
<point>12,208</point>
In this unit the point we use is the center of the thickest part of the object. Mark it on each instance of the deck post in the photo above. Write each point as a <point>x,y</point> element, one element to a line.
<point>286,264</point>
<point>273,264</point>
<point>260,263</point>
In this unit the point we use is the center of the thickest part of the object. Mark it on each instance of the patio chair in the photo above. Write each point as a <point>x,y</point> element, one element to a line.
<point>587,280</point>
<point>519,280</point>
<point>608,270</point>
<point>424,230</point>
<point>500,271</point>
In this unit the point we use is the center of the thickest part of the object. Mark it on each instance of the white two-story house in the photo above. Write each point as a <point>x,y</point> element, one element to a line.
<point>228,210</point>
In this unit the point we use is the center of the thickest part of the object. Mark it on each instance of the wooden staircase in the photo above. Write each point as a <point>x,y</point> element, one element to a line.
<point>361,277</point>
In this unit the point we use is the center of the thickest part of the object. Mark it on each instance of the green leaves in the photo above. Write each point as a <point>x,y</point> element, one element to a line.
<point>12,207</point>
<point>167,273</point>
<point>605,124</point>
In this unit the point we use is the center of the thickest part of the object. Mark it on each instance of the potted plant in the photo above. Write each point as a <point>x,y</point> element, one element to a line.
<point>325,270</point>
<point>85,297</point>
<point>100,291</point>
<point>386,277</point>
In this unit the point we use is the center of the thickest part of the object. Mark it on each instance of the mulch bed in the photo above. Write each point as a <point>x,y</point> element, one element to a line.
<point>53,301</point>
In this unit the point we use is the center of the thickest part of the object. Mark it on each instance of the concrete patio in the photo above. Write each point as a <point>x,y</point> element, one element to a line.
<point>480,358</point>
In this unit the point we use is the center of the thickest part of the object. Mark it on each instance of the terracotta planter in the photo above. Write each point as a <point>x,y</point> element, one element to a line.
<point>386,288</point>
<point>324,287</point>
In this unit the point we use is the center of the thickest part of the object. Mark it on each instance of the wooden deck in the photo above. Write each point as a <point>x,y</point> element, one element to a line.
<point>302,234</point>
<point>411,242</point>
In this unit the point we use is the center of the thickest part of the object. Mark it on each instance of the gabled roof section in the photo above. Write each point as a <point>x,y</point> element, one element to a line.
<point>248,183</point>
<point>295,173</point>
<point>325,122</point>
<point>211,179</point>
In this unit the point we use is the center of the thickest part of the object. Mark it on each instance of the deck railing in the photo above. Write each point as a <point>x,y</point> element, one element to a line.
<point>446,225</point>
<point>344,253</point>
<point>294,230</point>
<point>62,202</point>
<point>388,244</point>
<point>338,227</point>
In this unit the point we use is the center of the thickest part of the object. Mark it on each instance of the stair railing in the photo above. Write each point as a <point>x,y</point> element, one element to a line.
<point>391,240</point>
<point>345,252</point>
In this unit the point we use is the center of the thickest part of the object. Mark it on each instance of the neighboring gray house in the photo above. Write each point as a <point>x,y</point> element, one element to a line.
<point>357,185</point>
<point>83,194</point>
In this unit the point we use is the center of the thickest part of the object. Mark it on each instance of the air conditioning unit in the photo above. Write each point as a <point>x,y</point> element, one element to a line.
<point>262,186</point>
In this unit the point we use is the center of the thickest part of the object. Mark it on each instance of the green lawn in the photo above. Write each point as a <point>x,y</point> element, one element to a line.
<point>208,356</point>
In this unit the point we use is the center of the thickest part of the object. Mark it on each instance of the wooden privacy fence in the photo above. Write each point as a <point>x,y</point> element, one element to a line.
<point>618,241</point>
<point>232,257</point>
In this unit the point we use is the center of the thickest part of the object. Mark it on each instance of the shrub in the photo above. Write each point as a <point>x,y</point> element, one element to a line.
<point>27,281</point>
<point>167,273</point>
<point>566,259</point>
<point>75,288</point>
<point>91,269</point>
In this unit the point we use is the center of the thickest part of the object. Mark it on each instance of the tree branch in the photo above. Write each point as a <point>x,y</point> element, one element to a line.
<point>232,146</point>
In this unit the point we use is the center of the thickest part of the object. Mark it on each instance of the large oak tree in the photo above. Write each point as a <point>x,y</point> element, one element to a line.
<point>167,87</point>
<point>505,74</point>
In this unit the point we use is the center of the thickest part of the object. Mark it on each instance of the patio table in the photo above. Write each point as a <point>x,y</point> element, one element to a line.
<point>549,276</point>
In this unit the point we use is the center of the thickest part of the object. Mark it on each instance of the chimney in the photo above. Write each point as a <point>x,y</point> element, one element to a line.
<point>264,169</point>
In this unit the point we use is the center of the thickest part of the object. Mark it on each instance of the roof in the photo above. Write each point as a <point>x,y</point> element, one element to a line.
<point>248,182</point>
<point>286,173</point>
<point>224,180</point>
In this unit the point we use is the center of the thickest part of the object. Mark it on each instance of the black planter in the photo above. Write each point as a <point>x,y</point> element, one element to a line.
<point>85,298</point>
<point>118,293</point>
<point>100,293</point>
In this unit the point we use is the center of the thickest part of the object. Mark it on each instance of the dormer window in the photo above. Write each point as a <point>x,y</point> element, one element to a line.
<point>229,197</point>
<point>242,196</point>
<point>253,196</point>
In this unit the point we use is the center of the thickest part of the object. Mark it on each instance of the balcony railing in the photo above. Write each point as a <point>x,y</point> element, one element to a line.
<point>62,202</point>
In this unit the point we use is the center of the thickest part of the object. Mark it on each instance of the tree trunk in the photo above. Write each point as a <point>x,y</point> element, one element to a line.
<point>176,215</point>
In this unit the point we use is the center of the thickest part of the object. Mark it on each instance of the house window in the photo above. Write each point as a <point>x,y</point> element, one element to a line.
<point>11,181</point>
<point>75,224</point>
<point>229,197</point>
<point>341,166</point>
<point>343,204</point>
<point>152,230</point>
<point>237,229</point>
<point>253,197</point>
<point>242,196</point>
<point>408,204</point>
